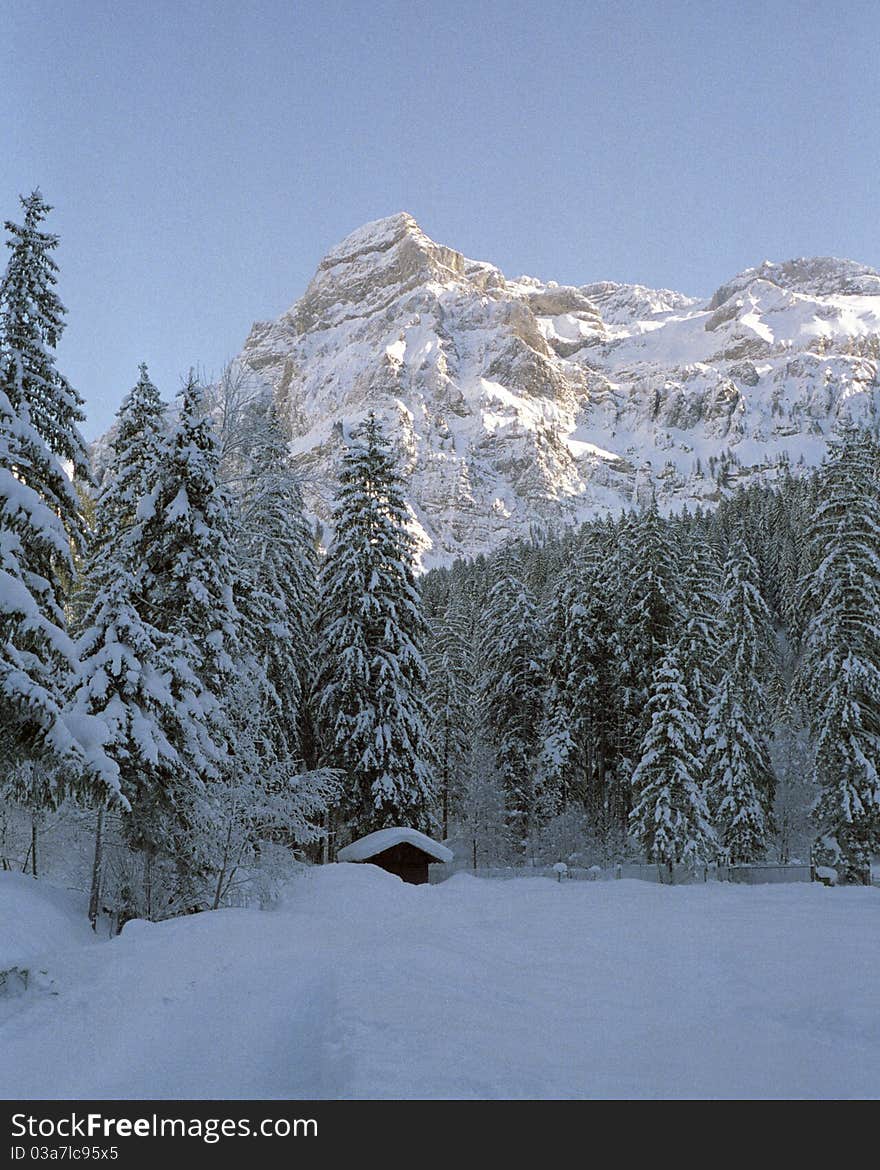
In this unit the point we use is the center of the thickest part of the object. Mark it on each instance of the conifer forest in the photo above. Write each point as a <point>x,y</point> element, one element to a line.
<point>199,688</point>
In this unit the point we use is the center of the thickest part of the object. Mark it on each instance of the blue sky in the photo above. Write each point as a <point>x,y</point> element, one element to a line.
<point>202,157</point>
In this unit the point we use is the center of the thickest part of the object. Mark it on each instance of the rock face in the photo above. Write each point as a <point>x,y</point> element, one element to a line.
<point>519,404</point>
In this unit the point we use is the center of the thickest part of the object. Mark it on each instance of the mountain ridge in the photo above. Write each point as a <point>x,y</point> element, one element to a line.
<point>519,404</point>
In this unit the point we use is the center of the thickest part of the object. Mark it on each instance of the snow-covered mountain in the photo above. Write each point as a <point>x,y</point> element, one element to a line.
<point>522,403</point>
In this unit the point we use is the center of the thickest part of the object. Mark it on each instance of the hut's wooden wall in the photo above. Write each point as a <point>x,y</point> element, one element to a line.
<point>406,861</point>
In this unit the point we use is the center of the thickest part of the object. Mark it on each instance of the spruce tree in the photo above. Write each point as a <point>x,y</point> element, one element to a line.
<point>648,620</point>
<point>669,818</point>
<point>181,541</point>
<point>31,324</point>
<point>698,648</point>
<point>138,448</point>
<point>373,680</point>
<point>579,725</point>
<point>276,591</point>
<point>739,775</point>
<point>131,678</point>
<point>185,531</point>
<point>840,671</point>
<point>511,694</point>
<point>451,693</point>
<point>136,453</point>
<point>40,519</point>
<point>561,764</point>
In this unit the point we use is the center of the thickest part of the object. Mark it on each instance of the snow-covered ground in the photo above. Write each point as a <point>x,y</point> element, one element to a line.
<point>35,917</point>
<point>361,986</point>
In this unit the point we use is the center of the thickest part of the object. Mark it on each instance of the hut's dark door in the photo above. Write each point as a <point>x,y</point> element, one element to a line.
<point>406,861</point>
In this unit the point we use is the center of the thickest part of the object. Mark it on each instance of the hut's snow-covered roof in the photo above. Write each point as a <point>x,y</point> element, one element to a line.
<point>378,842</point>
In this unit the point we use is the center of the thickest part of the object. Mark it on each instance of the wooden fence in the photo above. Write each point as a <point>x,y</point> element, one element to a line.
<point>641,871</point>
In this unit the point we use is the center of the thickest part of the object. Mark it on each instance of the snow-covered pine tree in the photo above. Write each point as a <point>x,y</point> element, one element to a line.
<point>740,783</point>
<point>276,589</point>
<point>649,620</point>
<point>578,731</point>
<point>560,767</point>
<point>185,530</point>
<point>840,670</point>
<point>511,697</point>
<point>136,452</point>
<point>796,555</point>
<point>130,678</point>
<point>268,704</point>
<point>698,647</point>
<point>451,694</point>
<point>31,324</point>
<point>137,447</point>
<point>653,597</point>
<point>848,806</point>
<point>669,819</point>
<point>373,680</point>
<point>181,542</point>
<point>40,521</point>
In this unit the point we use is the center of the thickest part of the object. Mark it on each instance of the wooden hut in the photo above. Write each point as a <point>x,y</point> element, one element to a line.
<point>405,852</point>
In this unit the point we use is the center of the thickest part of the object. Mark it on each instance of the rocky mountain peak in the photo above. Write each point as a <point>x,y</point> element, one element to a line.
<point>378,237</point>
<point>379,261</point>
<point>824,276</point>
<point>522,404</point>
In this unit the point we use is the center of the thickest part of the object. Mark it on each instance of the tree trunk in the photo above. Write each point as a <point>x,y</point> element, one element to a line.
<point>221,876</point>
<point>446,780</point>
<point>97,863</point>
<point>325,844</point>
<point>445,803</point>
<point>148,885</point>
<point>34,844</point>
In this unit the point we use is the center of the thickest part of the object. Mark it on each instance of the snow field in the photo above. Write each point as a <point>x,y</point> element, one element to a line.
<point>36,918</point>
<point>359,986</point>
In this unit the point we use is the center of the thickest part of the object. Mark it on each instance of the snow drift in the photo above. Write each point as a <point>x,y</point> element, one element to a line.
<point>360,986</point>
